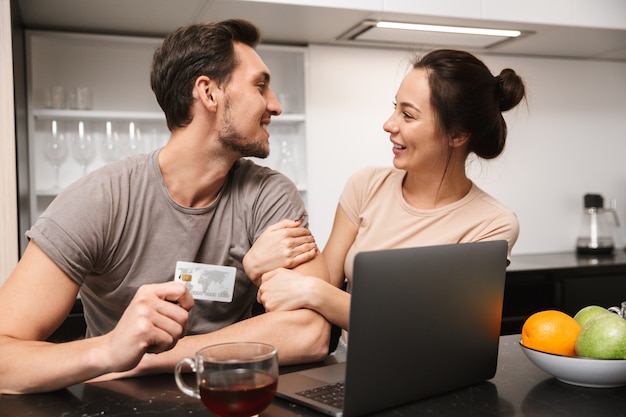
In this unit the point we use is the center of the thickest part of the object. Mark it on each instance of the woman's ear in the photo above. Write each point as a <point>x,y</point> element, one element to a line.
<point>458,140</point>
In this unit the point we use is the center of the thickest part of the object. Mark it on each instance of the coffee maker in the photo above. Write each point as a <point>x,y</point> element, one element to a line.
<point>596,231</point>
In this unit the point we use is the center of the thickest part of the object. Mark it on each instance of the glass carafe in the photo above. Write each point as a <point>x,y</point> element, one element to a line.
<point>596,230</point>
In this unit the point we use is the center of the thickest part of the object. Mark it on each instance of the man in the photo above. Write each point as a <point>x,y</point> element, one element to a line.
<point>117,234</point>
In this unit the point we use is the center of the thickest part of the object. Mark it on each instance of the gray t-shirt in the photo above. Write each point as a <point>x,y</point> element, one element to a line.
<point>118,228</point>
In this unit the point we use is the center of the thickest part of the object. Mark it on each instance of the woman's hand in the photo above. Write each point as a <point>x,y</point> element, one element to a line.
<point>282,245</point>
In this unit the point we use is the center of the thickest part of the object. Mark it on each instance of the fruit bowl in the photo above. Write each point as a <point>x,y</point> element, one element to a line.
<point>584,372</point>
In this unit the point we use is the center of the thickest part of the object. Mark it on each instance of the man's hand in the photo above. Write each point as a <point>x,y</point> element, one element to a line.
<point>154,321</point>
<point>283,245</point>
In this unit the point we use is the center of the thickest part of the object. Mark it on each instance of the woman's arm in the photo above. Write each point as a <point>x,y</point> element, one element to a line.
<point>342,237</point>
<point>282,245</point>
<point>282,289</point>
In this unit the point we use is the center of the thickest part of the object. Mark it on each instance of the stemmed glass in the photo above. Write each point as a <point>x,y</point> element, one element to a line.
<point>55,150</point>
<point>134,142</point>
<point>83,147</point>
<point>110,146</point>
<point>287,164</point>
<point>237,379</point>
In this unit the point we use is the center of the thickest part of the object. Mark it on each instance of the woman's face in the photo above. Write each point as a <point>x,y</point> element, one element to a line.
<point>412,127</point>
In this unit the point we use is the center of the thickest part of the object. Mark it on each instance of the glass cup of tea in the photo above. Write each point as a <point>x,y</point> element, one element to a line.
<point>236,379</point>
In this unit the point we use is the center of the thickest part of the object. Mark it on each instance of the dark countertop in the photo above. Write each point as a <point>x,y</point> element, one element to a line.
<point>518,389</point>
<point>565,260</point>
<point>562,281</point>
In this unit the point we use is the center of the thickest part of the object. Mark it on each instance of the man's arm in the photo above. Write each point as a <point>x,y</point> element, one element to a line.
<point>35,300</point>
<point>301,336</point>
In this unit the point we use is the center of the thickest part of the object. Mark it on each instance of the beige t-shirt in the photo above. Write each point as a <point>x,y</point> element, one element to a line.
<point>372,199</point>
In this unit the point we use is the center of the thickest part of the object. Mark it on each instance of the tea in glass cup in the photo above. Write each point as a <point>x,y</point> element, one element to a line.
<point>236,379</point>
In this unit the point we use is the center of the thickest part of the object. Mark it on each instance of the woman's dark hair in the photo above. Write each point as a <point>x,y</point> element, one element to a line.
<point>468,99</point>
<point>193,51</point>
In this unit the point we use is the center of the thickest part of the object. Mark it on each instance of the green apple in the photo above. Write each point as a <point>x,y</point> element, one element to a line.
<point>603,337</point>
<point>587,313</point>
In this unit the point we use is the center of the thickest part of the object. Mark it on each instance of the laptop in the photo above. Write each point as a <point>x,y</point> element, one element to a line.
<point>423,321</point>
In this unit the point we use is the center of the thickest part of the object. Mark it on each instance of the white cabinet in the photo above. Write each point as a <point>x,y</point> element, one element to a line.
<point>119,115</point>
<point>287,131</point>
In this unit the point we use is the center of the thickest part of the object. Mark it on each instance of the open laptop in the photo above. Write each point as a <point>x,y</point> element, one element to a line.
<point>423,321</point>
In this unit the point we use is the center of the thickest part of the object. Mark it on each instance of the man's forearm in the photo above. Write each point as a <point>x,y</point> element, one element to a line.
<point>301,336</point>
<point>36,366</point>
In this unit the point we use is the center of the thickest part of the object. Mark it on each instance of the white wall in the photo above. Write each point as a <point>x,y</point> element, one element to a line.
<point>568,140</point>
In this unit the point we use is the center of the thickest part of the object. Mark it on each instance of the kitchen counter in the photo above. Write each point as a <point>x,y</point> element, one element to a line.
<point>560,281</point>
<point>564,261</point>
<point>518,389</point>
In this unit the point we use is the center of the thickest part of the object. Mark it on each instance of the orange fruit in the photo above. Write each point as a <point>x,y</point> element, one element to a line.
<point>551,331</point>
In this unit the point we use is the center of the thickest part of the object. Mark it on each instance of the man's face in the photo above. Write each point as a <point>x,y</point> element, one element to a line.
<point>248,106</point>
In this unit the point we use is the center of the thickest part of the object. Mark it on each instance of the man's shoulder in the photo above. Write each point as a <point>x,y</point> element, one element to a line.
<point>135,165</point>
<point>250,174</point>
<point>246,165</point>
<point>122,176</point>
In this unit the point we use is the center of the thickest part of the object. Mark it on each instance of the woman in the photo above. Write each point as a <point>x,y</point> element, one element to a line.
<point>448,106</point>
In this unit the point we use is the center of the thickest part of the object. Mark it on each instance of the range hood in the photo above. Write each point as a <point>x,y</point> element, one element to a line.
<point>417,34</point>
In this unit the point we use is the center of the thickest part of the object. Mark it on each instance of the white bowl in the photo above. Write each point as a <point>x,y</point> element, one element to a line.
<point>584,372</point>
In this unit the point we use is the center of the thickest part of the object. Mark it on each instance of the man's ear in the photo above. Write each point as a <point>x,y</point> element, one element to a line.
<point>206,92</point>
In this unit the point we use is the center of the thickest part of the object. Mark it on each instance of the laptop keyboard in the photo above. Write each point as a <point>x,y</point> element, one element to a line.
<point>331,394</point>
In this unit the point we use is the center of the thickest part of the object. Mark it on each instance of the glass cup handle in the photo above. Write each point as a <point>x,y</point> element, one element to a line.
<point>619,311</point>
<point>192,392</point>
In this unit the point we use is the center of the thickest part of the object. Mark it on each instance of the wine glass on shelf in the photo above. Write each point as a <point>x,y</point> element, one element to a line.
<point>110,145</point>
<point>55,150</point>
<point>134,141</point>
<point>83,147</point>
<point>287,163</point>
<point>237,379</point>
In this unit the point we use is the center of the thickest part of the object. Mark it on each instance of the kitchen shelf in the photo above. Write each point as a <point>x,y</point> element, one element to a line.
<point>116,70</point>
<point>65,114</point>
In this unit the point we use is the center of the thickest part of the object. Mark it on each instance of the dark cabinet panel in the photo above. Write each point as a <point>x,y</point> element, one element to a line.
<point>523,295</point>
<point>604,290</point>
<point>561,281</point>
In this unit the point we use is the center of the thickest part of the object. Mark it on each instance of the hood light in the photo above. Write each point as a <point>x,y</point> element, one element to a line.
<point>449,29</point>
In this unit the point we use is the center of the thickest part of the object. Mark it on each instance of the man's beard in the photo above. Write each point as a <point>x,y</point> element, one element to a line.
<point>231,139</point>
